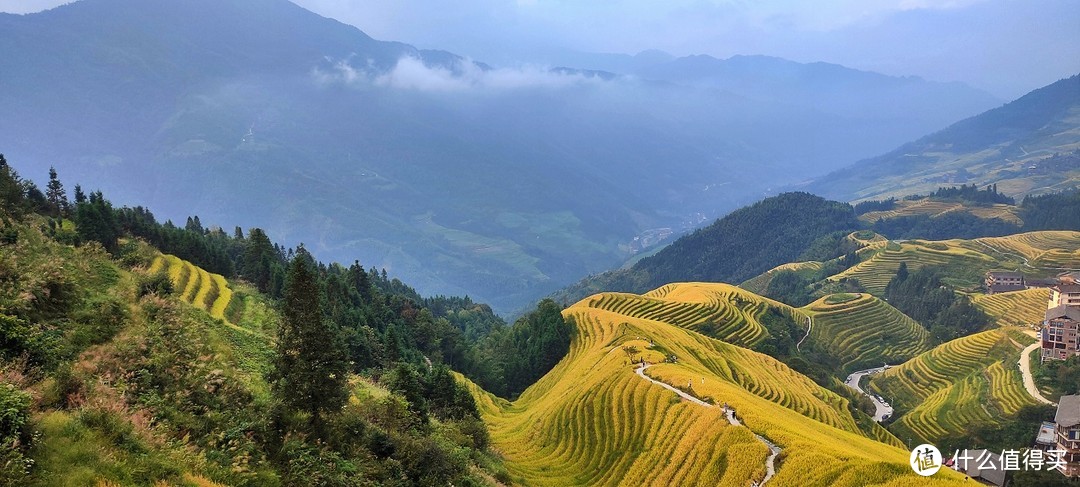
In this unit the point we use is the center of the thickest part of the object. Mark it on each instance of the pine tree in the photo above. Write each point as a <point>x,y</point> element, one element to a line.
<point>55,194</point>
<point>80,197</point>
<point>309,371</point>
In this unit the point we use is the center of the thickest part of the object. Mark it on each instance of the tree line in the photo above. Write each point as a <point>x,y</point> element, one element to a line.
<point>378,321</point>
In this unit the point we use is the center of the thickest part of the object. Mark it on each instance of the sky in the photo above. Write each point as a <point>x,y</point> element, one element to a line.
<point>1007,47</point>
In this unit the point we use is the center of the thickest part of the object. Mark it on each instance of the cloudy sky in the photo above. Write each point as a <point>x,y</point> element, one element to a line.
<point>1007,47</point>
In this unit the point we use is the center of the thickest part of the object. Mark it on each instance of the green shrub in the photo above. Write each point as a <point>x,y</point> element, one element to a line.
<point>157,283</point>
<point>14,434</point>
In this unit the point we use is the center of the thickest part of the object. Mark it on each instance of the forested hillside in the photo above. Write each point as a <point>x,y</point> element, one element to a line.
<point>742,244</point>
<point>241,363</point>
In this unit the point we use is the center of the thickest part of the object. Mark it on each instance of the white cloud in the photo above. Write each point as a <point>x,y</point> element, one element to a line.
<point>411,73</point>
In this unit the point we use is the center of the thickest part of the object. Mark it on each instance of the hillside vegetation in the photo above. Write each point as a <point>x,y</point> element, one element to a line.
<point>592,420</point>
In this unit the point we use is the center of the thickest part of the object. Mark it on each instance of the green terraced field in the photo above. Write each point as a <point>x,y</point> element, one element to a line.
<point>1018,308</point>
<point>960,263</point>
<point>970,380</point>
<point>592,421</point>
<point>865,332</point>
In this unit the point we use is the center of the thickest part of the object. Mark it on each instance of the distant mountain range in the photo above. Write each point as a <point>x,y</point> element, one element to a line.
<point>462,178</point>
<point>1028,146</point>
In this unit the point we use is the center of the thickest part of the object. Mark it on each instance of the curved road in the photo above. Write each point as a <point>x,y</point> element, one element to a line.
<point>809,326</point>
<point>774,451</point>
<point>1029,381</point>
<point>882,409</point>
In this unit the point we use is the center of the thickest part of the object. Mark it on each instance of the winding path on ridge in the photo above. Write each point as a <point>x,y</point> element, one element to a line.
<point>882,409</point>
<point>1029,381</point>
<point>774,451</point>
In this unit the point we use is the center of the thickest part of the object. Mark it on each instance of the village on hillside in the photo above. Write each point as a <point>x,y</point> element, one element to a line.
<point>1057,336</point>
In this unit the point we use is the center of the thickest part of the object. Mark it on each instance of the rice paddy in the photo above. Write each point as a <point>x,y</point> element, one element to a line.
<point>926,206</point>
<point>720,311</point>
<point>1018,308</point>
<point>592,421</point>
<point>970,380</point>
<point>864,331</point>
<point>204,290</point>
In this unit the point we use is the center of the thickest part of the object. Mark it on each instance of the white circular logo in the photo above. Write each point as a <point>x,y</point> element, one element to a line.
<point>926,460</point>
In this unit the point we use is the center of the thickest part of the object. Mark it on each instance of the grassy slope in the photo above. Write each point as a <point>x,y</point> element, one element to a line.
<point>172,395</point>
<point>1008,146</point>
<point>970,380</point>
<point>591,420</point>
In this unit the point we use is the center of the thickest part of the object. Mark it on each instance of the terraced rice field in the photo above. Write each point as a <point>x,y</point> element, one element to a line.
<point>212,293</point>
<point>720,311</point>
<point>1049,250</point>
<point>970,380</point>
<point>592,421</point>
<point>1018,308</point>
<point>961,263</point>
<point>865,332</point>
<point>903,208</point>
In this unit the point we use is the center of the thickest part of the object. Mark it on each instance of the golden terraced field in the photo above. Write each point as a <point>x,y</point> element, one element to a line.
<point>593,421</point>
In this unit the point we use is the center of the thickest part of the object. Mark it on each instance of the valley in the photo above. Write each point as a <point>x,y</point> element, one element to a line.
<point>261,243</point>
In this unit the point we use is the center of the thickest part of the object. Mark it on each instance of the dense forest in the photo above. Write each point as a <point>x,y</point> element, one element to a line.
<point>335,322</point>
<point>925,298</point>
<point>741,245</point>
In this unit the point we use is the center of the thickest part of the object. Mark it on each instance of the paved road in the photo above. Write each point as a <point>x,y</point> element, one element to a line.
<point>809,326</point>
<point>1029,381</point>
<point>774,451</point>
<point>881,408</point>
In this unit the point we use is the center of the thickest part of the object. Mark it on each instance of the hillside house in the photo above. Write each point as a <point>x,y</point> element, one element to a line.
<point>982,465</point>
<point>1068,433</point>
<point>1004,281</point>
<point>1065,295</point>
<point>1059,333</point>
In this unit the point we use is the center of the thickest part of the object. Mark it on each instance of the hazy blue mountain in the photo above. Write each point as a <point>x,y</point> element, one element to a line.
<point>1028,146</point>
<point>502,183</point>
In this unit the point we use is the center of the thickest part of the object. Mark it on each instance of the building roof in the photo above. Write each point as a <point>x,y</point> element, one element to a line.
<point>1012,274</point>
<point>1068,411</point>
<point>1046,435</point>
<point>994,475</point>
<point>1067,288</point>
<point>1063,311</point>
